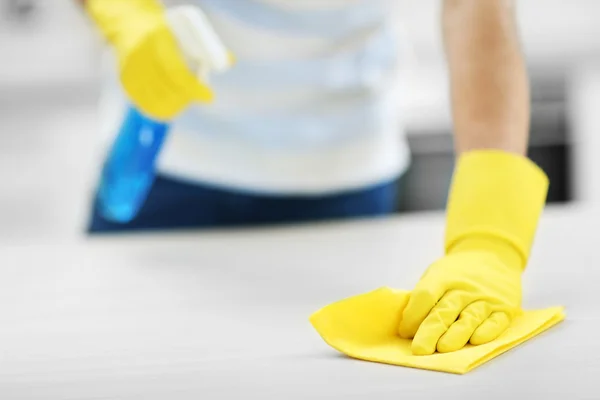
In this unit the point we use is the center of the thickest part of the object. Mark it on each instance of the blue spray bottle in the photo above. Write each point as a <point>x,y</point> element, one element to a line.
<point>129,169</point>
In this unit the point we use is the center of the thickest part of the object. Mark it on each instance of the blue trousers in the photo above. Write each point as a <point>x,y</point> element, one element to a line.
<point>174,204</point>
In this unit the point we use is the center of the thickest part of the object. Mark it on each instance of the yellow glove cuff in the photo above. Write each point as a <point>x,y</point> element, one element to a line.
<point>113,17</point>
<point>495,195</point>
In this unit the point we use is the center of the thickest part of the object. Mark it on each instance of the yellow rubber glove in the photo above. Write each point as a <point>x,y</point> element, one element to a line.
<point>474,292</point>
<point>153,70</point>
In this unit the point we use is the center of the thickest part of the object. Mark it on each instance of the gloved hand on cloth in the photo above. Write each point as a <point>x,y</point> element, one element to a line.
<point>470,295</point>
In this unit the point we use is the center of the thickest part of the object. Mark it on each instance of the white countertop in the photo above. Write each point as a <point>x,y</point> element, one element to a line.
<point>224,315</point>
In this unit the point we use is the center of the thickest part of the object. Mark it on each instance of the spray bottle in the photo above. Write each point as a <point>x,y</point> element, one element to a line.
<point>129,168</point>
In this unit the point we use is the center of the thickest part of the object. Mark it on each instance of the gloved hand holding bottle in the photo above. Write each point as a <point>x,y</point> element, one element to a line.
<point>164,59</point>
<point>473,293</point>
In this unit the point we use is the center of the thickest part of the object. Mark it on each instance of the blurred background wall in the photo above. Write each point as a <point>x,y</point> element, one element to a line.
<point>49,77</point>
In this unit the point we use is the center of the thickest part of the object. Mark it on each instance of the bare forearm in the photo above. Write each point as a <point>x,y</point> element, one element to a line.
<point>489,82</point>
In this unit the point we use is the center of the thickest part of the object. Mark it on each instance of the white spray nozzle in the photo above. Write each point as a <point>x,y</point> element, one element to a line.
<point>202,48</point>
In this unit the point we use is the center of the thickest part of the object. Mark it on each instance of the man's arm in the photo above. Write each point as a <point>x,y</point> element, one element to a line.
<point>489,82</point>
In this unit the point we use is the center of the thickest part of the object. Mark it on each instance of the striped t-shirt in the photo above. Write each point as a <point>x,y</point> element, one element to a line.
<point>310,107</point>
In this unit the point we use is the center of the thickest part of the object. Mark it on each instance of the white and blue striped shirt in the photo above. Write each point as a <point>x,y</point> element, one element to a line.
<point>311,105</point>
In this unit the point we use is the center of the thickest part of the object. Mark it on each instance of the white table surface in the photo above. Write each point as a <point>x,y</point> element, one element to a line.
<point>224,315</point>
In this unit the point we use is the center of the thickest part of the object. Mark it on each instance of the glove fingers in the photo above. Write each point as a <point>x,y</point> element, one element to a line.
<point>158,67</point>
<point>145,83</point>
<point>458,335</point>
<point>170,65</point>
<point>441,317</point>
<point>162,91</point>
<point>182,82</point>
<point>491,328</point>
<point>420,303</point>
<point>177,73</point>
<point>201,93</point>
<point>173,100</point>
<point>136,81</point>
<point>154,98</point>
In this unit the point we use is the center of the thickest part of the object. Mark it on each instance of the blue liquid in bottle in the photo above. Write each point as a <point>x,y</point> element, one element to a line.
<point>129,169</point>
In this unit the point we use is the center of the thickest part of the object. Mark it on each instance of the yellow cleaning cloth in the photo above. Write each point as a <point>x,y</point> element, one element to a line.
<point>365,327</point>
